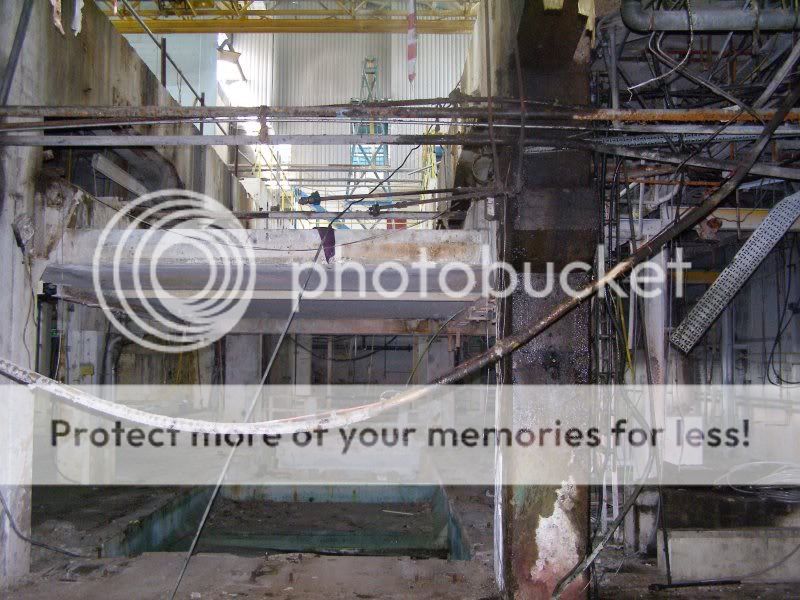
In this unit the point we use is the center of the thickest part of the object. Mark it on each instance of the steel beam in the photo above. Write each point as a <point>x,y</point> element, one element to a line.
<point>350,215</point>
<point>378,110</point>
<point>762,169</point>
<point>290,25</point>
<point>126,140</point>
<point>118,175</point>
<point>310,325</point>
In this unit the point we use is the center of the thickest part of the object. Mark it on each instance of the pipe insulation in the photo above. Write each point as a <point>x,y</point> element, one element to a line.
<point>321,420</point>
<point>641,20</point>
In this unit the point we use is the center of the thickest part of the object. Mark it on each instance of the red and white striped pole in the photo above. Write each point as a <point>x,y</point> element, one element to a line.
<point>412,40</point>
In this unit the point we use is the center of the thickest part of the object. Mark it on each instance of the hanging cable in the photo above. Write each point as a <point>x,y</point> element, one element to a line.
<point>430,343</point>
<point>13,524</point>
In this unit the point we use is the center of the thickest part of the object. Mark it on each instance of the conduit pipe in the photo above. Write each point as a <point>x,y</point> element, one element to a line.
<point>641,20</point>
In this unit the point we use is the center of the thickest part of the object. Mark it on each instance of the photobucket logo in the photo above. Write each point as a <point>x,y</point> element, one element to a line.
<point>184,237</point>
<point>456,280</point>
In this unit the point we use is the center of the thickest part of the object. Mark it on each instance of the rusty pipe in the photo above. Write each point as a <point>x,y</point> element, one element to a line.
<point>368,111</point>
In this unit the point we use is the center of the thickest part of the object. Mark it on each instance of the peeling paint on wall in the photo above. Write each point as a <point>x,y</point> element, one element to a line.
<point>556,538</point>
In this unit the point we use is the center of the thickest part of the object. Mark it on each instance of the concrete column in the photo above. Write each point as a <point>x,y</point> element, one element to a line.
<point>242,367</point>
<point>83,329</point>
<point>439,360</point>
<point>639,529</point>
<point>544,528</point>
<point>18,338</point>
<point>302,364</point>
<point>16,427</point>
<point>243,359</point>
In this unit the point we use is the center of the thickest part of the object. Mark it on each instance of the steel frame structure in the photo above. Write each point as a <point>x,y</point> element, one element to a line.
<point>339,16</point>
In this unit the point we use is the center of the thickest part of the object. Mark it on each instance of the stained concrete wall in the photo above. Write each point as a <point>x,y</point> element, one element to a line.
<point>757,554</point>
<point>502,27</point>
<point>98,67</point>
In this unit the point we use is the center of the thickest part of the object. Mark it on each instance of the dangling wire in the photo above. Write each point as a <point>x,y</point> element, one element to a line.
<point>676,67</point>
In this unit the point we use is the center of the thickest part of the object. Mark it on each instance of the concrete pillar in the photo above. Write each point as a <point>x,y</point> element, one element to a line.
<point>84,337</point>
<point>243,359</point>
<point>282,372</point>
<point>17,316</point>
<point>544,528</point>
<point>639,528</point>
<point>439,360</point>
<point>16,427</point>
<point>243,366</point>
<point>302,364</point>
<point>542,531</point>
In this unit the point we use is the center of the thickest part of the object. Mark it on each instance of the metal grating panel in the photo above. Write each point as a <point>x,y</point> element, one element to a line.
<point>731,280</point>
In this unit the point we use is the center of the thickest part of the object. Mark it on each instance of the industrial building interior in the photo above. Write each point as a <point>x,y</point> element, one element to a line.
<point>375,134</point>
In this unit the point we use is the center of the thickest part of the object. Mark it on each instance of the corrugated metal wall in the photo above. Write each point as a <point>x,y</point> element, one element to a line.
<point>257,62</point>
<point>301,69</point>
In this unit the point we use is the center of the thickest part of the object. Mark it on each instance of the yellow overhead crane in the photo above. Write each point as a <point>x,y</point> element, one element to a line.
<point>301,16</point>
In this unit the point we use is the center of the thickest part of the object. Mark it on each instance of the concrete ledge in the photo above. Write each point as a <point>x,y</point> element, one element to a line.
<point>733,554</point>
<point>283,247</point>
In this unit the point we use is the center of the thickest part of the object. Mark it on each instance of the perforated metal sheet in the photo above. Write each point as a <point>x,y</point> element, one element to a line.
<point>731,280</point>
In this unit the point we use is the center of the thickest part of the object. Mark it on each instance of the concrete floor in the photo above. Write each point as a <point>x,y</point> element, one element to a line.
<point>78,518</point>
<point>84,519</point>
<point>629,577</point>
<point>308,576</point>
<point>285,577</point>
<point>390,529</point>
<point>295,575</point>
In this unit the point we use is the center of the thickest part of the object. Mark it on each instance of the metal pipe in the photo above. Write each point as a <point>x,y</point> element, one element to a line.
<point>313,215</point>
<point>308,200</point>
<point>613,79</point>
<point>637,18</point>
<point>129,140</point>
<point>779,76</point>
<point>16,47</point>
<point>340,181</point>
<point>335,168</point>
<point>108,376</point>
<point>163,47</point>
<point>368,111</point>
<point>125,140</point>
<point>761,169</point>
<point>357,111</point>
<point>473,197</point>
<point>789,130</point>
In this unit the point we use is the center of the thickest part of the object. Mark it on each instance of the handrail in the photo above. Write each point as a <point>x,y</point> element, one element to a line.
<point>199,97</point>
<point>158,43</point>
